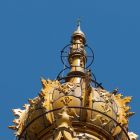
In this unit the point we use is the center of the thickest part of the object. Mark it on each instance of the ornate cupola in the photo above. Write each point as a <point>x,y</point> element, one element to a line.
<point>74,106</point>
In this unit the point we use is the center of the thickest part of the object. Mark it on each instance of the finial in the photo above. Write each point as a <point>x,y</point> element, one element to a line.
<point>78,23</point>
<point>78,31</point>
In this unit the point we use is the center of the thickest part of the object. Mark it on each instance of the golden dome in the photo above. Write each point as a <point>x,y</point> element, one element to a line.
<point>74,109</point>
<point>78,32</point>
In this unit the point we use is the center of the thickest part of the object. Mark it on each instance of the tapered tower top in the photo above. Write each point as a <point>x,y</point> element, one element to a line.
<point>79,32</point>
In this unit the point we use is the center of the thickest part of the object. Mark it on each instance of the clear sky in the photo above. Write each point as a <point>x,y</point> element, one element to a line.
<point>33,32</point>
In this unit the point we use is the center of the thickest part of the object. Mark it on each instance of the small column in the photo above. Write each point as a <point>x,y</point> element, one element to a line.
<point>77,56</point>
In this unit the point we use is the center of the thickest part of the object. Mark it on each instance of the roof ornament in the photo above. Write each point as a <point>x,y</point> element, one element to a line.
<point>78,24</point>
<point>78,31</point>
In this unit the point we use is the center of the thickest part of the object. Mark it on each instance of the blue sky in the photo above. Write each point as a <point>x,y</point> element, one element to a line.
<point>33,32</point>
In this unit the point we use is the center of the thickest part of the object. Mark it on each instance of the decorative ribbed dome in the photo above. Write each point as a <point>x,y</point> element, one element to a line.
<point>74,109</point>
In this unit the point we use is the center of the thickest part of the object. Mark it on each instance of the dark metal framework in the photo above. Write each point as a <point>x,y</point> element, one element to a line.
<point>80,108</point>
<point>65,54</point>
<point>64,57</point>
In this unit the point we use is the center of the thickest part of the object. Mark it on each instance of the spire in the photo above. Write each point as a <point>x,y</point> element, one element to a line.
<point>78,31</point>
<point>77,56</point>
<point>78,24</point>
